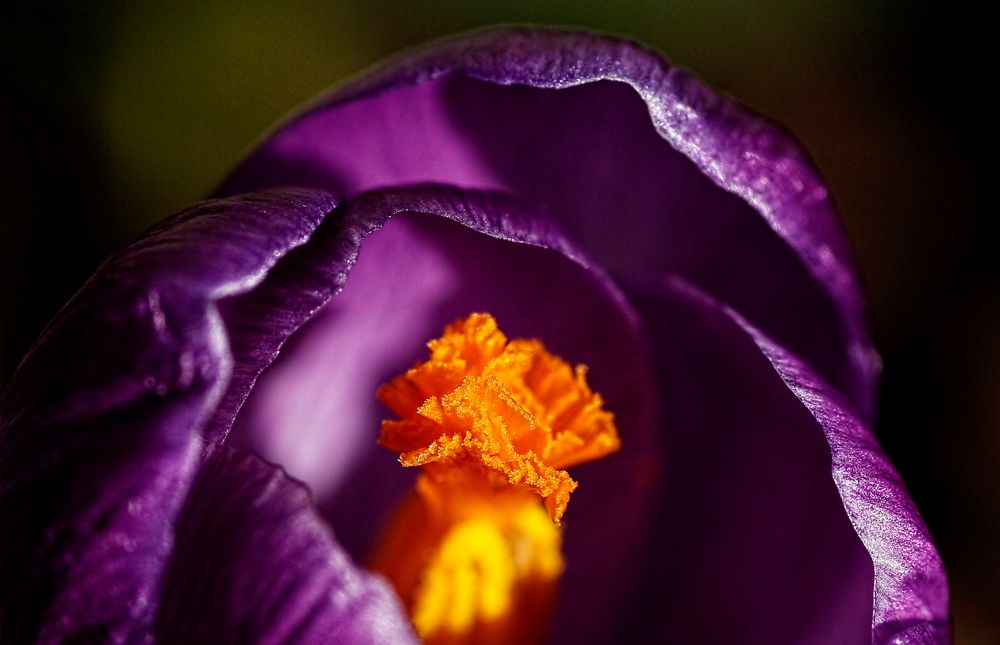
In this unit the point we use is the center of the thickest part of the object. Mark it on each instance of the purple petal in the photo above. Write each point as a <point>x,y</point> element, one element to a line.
<point>253,563</point>
<point>100,427</point>
<point>670,177</point>
<point>784,527</point>
<point>409,262</point>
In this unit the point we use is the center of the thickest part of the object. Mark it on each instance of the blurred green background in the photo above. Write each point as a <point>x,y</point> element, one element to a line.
<point>114,117</point>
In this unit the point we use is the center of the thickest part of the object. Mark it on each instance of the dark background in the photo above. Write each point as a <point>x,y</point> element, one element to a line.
<point>113,118</point>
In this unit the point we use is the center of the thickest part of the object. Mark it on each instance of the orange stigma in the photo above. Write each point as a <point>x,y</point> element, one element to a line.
<point>493,424</point>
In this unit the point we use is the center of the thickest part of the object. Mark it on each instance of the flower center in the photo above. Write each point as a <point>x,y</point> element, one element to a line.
<point>475,551</point>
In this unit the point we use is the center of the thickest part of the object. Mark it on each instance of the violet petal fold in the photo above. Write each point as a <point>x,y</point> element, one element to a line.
<point>754,506</point>
<point>100,426</point>
<point>411,261</point>
<point>909,586</point>
<point>255,564</point>
<point>682,181</point>
<point>263,318</point>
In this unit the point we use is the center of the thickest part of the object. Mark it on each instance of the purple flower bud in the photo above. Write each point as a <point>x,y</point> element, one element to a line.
<point>187,453</point>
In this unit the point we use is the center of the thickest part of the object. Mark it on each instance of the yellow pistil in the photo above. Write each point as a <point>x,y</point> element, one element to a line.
<point>493,424</point>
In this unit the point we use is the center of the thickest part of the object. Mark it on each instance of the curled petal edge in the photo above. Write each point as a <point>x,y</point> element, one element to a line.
<point>314,275</point>
<point>272,569</point>
<point>740,152</point>
<point>96,455</point>
<point>311,276</point>
<point>910,584</point>
<point>169,295</point>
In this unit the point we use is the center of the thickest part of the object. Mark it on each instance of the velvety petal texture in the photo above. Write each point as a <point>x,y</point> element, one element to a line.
<point>253,563</point>
<point>262,319</point>
<point>411,261</point>
<point>910,586</point>
<point>639,161</point>
<point>101,427</point>
<point>526,173</point>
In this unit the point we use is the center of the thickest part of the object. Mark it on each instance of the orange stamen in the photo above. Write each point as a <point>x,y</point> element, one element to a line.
<point>505,412</point>
<point>494,424</point>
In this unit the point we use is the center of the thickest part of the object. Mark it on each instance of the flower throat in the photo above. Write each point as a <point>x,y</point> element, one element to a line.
<point>475,550</point>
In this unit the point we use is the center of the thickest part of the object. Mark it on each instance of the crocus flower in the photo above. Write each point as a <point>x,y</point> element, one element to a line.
<point>188,452</point>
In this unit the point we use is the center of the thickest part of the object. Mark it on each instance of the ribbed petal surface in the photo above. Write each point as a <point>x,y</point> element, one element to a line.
<point>410,261</point>
<point>100,428</point>
<point>641,163</point>
<point>255,564</point>
<point>774,486</point>
<point>519,172</point>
